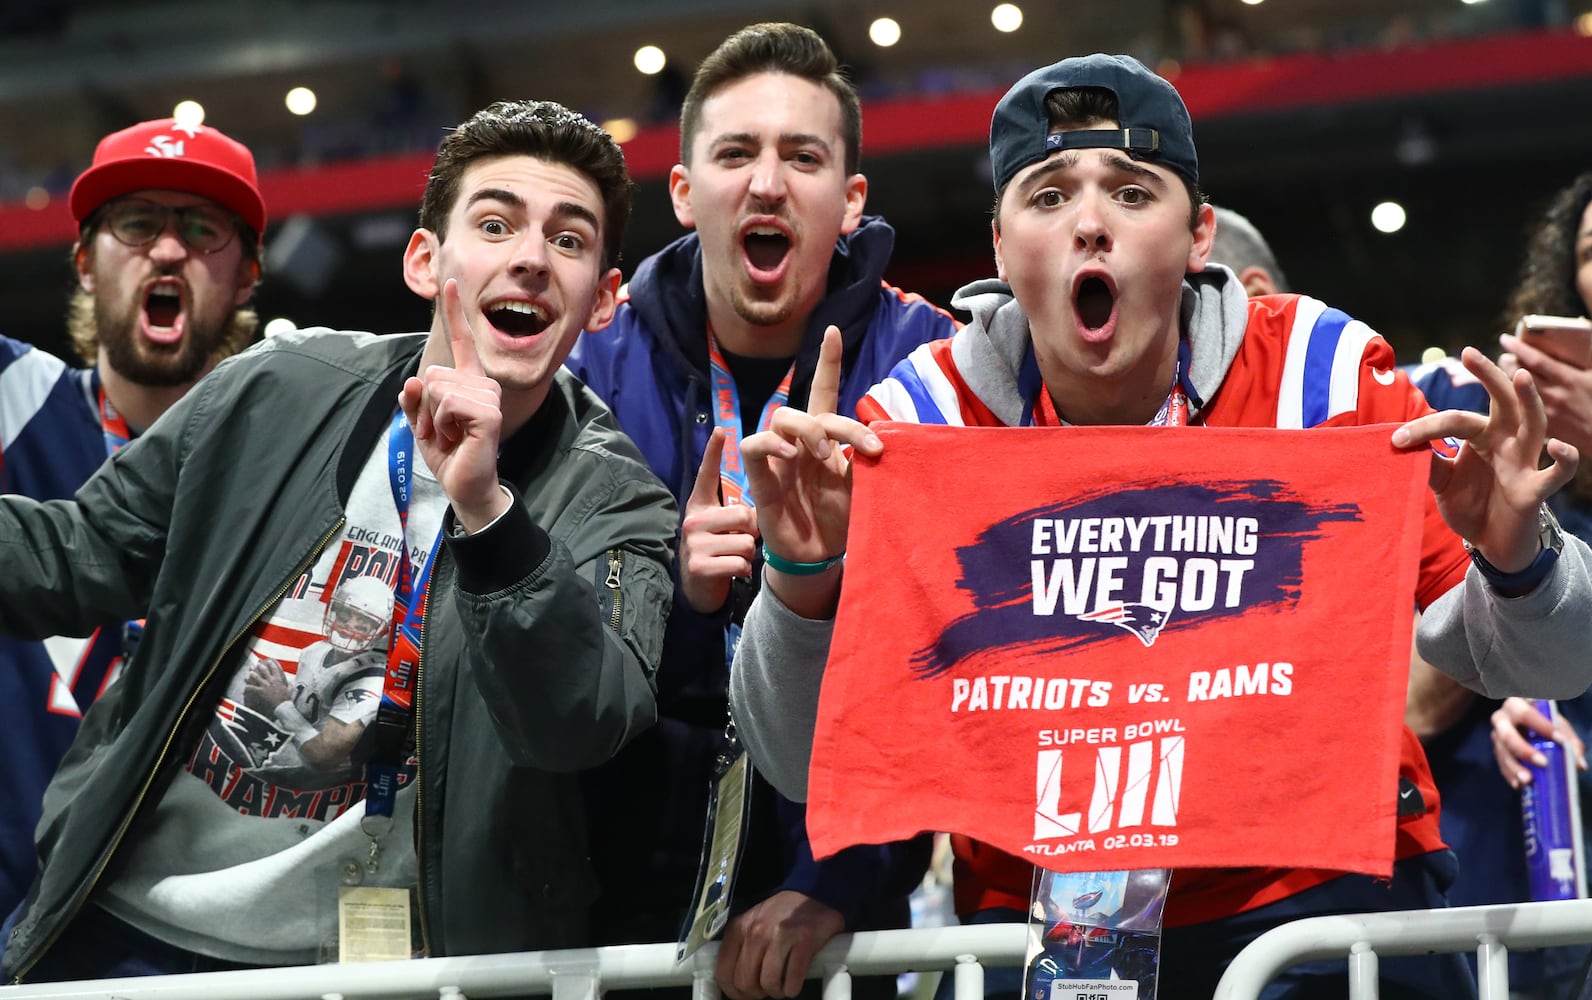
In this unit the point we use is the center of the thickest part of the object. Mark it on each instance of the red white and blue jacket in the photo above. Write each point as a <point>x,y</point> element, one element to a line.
<point>51,440</point>
<point>1283,361</point>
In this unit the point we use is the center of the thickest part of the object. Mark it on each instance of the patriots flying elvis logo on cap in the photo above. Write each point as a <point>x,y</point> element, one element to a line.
<point>168,156</point>
<point>1153,121</point>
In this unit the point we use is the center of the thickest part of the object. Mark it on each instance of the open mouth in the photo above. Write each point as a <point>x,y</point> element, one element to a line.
<point>518,319</point>
<point>766,248</point>
<point>162,306</point>
<point>1095,302</point>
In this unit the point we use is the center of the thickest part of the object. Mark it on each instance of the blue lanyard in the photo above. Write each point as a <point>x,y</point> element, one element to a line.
<point>395,715</point>
<point>733,485</point>
<point>113,424</point>
<point>117,434</point>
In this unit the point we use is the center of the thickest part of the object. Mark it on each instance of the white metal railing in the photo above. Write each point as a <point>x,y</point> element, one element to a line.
<point>577,974</point>
<point>1491,930</point>
<point>582,974</point>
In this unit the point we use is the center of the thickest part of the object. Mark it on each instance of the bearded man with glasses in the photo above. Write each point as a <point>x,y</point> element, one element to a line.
<point>168,253</point>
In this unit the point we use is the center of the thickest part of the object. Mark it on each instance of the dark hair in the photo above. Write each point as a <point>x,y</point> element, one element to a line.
<point>1081,107</point>
<point>542,129</point>
<point>773,48</point>
<point>1547,275</point>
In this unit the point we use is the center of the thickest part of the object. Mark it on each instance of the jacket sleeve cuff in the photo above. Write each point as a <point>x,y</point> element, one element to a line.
<point>842,883</point>
<point>501,554</point>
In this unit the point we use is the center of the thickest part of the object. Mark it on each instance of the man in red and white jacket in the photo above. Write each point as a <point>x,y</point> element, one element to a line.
<point>1104,312</point>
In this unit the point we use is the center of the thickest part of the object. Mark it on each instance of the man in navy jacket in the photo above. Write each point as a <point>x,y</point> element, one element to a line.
<point>720,327</point>
<point>170,220</point>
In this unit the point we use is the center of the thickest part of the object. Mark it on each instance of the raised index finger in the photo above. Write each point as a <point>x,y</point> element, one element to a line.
<point>706,491</point>
<point>460,337</point>
<point>825,394</point>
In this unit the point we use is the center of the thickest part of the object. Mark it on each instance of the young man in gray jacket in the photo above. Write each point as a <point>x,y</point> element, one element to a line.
<point>396,590</point>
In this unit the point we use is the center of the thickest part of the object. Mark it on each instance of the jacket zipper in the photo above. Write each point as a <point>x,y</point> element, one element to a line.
<point>616,562</point>
<point>121,831</point>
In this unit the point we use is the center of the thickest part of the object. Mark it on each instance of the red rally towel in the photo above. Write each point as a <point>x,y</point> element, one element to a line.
<point>1105,648</point>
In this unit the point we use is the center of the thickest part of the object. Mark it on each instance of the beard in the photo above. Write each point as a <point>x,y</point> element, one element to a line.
<point>147,363</point>
<point>762,312</point>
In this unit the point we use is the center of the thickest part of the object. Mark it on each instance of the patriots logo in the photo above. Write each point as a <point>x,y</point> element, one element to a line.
<point>247,736</point>
<point>354,696</point>
<point>1143,620</point>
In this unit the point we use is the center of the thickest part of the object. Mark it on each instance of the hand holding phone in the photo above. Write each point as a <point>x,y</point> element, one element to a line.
<point>1567,338</point>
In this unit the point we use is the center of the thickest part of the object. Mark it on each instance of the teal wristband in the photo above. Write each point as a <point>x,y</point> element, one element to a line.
<point>789,568</point>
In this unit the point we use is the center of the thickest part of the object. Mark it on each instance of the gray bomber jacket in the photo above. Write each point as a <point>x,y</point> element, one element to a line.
<point>532,665</point>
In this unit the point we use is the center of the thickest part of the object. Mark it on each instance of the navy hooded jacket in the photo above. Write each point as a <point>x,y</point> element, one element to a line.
<point>647,806</point>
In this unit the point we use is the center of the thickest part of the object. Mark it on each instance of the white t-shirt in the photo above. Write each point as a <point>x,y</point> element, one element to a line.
<point>243,854</point>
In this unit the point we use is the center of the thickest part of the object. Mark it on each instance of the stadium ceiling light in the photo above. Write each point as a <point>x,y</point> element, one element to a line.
<point>1388,217</point>
<point>189,114</point>
<point>1006,17</point>
<point>650,59</point>
<point>884,32</point>
<point>300,100</point>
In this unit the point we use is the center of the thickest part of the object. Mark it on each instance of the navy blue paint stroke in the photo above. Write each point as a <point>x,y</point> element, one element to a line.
<point>996,567</point>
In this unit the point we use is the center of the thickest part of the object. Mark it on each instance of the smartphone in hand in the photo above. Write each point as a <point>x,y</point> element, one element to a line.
<point>1568,338</point>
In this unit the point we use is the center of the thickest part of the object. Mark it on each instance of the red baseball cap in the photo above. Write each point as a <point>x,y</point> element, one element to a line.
<point>163,155</point>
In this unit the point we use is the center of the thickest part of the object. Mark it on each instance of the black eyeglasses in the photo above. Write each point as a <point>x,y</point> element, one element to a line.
<point>138,223</point>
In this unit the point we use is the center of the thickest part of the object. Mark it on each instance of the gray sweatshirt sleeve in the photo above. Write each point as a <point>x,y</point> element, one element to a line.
<point>1538,645</point>
<point>779,667</point>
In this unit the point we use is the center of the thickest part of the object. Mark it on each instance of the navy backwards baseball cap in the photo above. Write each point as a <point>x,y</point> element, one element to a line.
<point>1154,122</point>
